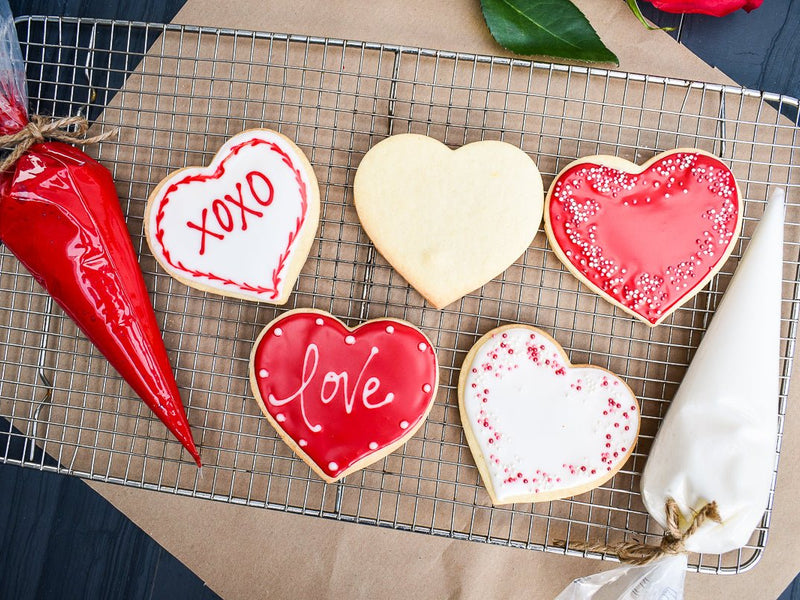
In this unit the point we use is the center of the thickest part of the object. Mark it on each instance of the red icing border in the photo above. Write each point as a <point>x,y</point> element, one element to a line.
<point>202,177</point>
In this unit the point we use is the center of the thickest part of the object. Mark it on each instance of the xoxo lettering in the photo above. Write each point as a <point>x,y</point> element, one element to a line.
<point>332,384</point>
<point>261,192</point>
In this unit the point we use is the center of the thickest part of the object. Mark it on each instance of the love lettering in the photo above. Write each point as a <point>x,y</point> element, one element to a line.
<point>228,212</point>
<point>332,384</point>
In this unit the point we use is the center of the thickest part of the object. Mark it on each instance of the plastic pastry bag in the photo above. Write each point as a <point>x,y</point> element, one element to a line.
<point>13,99</point>
<point>717,442</point>
<point>60,216</point>
<point>662,579</point>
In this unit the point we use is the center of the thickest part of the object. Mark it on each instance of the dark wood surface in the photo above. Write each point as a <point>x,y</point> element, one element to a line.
<point>59,539</point>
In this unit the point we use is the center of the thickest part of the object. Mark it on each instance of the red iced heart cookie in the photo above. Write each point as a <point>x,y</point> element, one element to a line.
<point>645,238</point>
<point>242,226</point>
<point>342,398</point>
<point>540,428</point>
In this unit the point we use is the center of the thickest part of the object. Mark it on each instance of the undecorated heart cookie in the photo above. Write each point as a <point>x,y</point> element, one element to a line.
<point>646,238</point>
<point>243,225</point>
<point>540,428</point>
<point>343,398</point>
<point>448,220</point>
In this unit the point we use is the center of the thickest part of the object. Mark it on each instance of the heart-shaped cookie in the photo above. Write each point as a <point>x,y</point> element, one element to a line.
<point>241,226</point>
<point>343,398</point>
<point>448,220</point>
<point>645,238</point>
<point>540,428</point>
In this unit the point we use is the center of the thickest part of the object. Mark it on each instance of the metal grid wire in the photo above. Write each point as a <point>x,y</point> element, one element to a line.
<point>189,92</point>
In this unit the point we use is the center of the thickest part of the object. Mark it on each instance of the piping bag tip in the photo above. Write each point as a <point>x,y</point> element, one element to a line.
<point>777,195</point>
<point>189,445</point>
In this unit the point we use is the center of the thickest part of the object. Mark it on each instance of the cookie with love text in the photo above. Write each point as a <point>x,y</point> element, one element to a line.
<point>343,398</point>
<point>242,226</point>
<point>646,238</point>
<point>448,221</point>
<point>540,428</point>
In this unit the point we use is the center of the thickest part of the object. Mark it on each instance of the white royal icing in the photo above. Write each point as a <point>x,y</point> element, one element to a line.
<point>541,424</point>
<point>233,234</point>
<point>718,439</point>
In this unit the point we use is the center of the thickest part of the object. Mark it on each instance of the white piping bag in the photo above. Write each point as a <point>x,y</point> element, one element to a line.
<point>718,440</point>
<point>717,443</point>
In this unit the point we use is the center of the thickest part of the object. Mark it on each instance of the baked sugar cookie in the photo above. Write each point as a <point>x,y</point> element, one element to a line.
<point>540,428</point>
<point>646,238</point>
<point>448,220</point>
<point>343,398</point>
<point>243,225</point>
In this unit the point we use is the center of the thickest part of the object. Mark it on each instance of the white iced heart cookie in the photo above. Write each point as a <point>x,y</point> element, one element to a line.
<point>540,428</point>
<point>448,220</point>
<point>241,226</point>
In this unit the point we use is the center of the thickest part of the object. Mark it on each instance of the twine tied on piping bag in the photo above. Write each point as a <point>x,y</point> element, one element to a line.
<point>673,542</point>
<point>41,128</point>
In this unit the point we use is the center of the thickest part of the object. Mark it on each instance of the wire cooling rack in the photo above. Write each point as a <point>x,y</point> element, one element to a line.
<point>185,90</point>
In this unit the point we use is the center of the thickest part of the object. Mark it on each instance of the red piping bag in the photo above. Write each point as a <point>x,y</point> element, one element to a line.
<point>60,216</point>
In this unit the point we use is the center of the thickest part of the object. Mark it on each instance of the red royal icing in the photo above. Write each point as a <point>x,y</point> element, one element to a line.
<point>341,395</point>
<point>647,241</point>
<point>231,211</point>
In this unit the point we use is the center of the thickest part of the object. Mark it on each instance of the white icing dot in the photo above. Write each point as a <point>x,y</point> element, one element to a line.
<point>426,388</point>
<point>302,443</point>
<point>373,445</point>
<point>389,329</point>
<point>278,332</point>
<point>403,424</point>
<point>280,417</point>
<point>319,322</point>
<point>332,466</point>
<point>263,373</point>
<point>349,340</point>
<point>422,347</point>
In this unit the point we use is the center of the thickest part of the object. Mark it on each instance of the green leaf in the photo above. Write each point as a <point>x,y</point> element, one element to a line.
<point>545,27</point>
<point>634,6</point>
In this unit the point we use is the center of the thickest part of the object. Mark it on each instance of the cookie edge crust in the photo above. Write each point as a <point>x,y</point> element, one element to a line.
<point>478,455</point>
<point>627,166</point>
